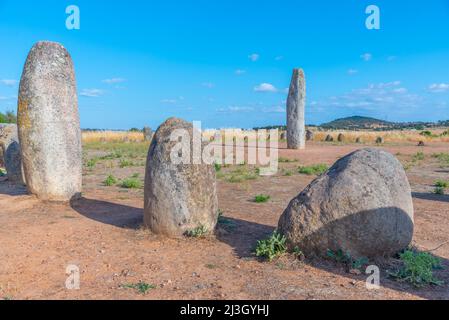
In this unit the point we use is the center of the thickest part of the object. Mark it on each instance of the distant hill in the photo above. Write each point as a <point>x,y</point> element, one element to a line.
<point>358,122</point>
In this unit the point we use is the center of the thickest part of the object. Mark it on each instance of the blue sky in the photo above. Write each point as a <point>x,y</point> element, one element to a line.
<point>228,63</point>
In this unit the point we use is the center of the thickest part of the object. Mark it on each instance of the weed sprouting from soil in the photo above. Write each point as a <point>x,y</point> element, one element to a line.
<point>140,287</point>
<point>317,169</point>
<point>261,198</point>
<point>417,269</point>
<point>271,248</point>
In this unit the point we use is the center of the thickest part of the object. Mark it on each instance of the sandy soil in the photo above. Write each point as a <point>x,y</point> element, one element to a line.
<point>102,235</point>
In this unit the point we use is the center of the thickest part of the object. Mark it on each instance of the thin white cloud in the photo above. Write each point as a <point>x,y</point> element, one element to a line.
<point>275,109</point>
<point>239,72</point>
<point>9,82</point>
<point>380,97</point>
<point>352,71</point>
<point>114,80</point>
<point>439,87</point>
<point>169,101</point>
<point>209,85</point>
<point>265,87</point>
<point>279,58</point>
<point>235,109</point>
<point>366,56</point>
<point>92,93</point>
<point>254,57</point>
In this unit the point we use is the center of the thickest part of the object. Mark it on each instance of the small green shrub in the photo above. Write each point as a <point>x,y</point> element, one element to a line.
<point>217,167</point>
<point>442,184</point>
<point>110,181</point>
<point>439,190</point>
<point>141,287</point>
<point>261,198</point>
<point>317,169</point>
<point>91,163</point>
<point>418,268</point>
<point>198,232</point>
<point>131,183</point>
<point>272,247</point>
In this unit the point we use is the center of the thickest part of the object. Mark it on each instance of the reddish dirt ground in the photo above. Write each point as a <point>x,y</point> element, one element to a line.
<point>102,234</point>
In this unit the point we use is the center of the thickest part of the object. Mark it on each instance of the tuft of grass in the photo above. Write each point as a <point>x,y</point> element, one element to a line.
<point>419,156</point>
<point>131,183</point>
<point>141,287</point>
<point>271,248</point>
<point>442,184</point>
<point>110,181</point>
<point>442,157</point>
<point>317,169</point>
<point>198,232</point>
<point>439,190</point>
<point>91,163</point>
<point>124,163</point>
<point>261,198</point>
<point>417,269</point>
<point>217,167</point>
<point>241,174</point>
<point>286,160</point>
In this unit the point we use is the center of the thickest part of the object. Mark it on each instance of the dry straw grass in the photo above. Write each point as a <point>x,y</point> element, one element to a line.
<point>388,136</point>
<point>349,136</point>
<point>112,136</point>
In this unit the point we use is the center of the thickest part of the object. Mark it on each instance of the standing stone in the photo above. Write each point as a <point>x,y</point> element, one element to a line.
<point>49,125</point>
<point>329,138</point>
<point>296,104</point>
<point>178,197</point>
<point>9,145</point>
<point>341,137</point>
<point>147,134</point>
<point>309,135</point>
<point>362,206</point>
<point>283,135</point>
<point>380,140</point>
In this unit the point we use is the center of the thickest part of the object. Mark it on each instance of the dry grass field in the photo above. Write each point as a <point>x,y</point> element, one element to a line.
<point>118,259</point>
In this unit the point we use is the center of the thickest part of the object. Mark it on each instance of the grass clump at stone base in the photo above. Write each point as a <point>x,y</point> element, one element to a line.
<point>317,169</point>
<point>272,247</point>
<point>417,269</point>
<point>198,232</point>
<point>345,258</point>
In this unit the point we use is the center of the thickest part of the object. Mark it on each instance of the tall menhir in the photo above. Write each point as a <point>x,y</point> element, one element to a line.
<point>296,103</point>
<point>49,124</point>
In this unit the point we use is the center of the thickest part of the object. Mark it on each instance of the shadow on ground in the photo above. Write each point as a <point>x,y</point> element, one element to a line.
<point>242,236</point>
<point>431,196</point>
<point>118,215</point>
<point>10,189</point>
